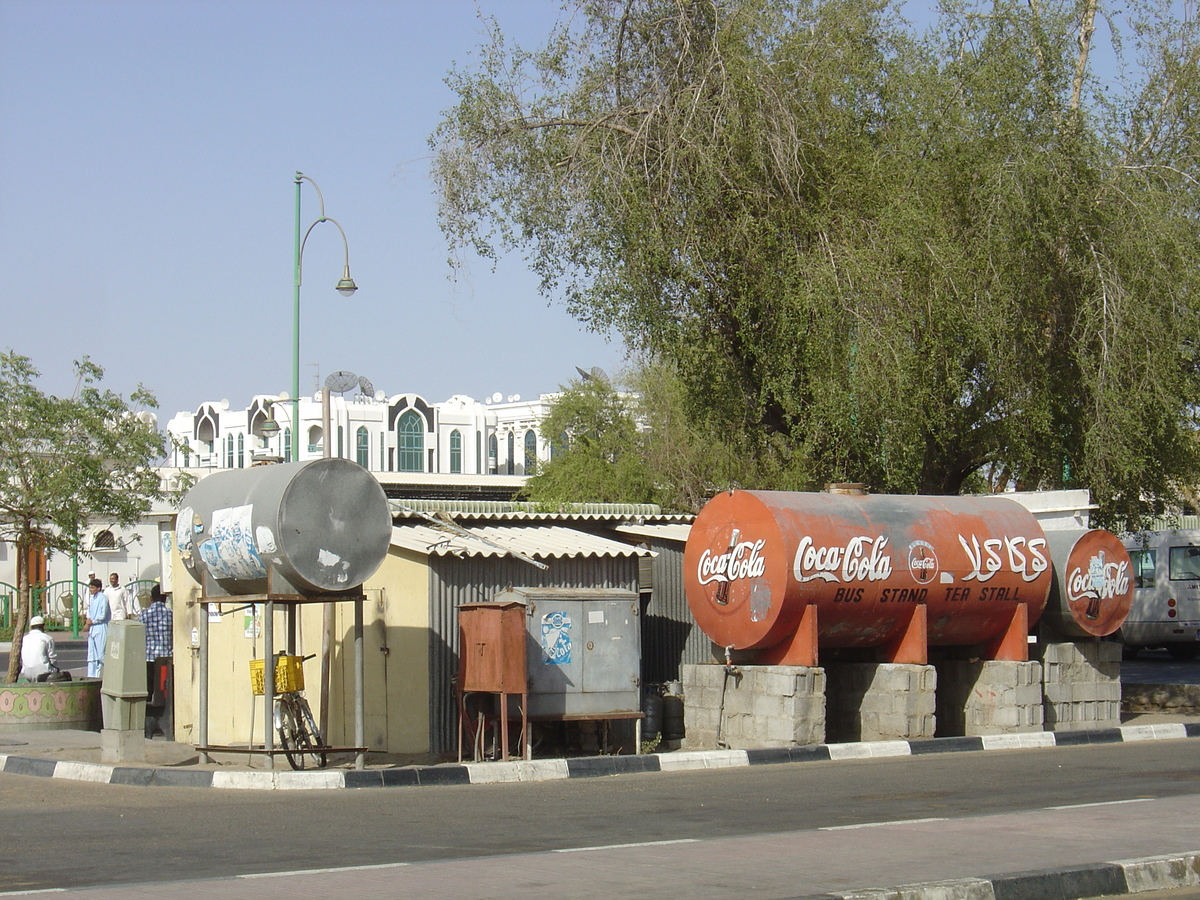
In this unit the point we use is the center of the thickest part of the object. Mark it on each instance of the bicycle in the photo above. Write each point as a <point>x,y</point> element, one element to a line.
<point>294,722</point>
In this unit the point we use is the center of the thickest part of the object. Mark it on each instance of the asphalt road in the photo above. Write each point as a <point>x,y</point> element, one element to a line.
<point>62,834</point>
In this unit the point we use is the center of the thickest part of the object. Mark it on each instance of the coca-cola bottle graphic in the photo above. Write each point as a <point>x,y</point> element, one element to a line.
<point>1096,571</point>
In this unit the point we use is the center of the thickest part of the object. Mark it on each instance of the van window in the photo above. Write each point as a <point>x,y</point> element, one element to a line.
<point>1144,562</point>
<point>1185,563</point>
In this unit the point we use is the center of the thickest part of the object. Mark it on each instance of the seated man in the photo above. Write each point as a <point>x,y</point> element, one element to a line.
<point>38,656</point>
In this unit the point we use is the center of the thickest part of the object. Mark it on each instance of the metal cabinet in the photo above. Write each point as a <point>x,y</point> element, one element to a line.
<point>584,651</point>
<point>492,659</point>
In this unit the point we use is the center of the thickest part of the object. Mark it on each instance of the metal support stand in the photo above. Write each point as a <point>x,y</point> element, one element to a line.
<point>291,601</point>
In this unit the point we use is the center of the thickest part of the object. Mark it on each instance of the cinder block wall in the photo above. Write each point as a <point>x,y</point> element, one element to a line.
<point>1081,684</point>
<point>879,701</point>
<point>752,706</point>
<point>978,697</point>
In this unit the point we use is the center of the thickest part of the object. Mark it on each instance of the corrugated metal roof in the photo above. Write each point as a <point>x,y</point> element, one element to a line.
<point>529,512</point>
<point>538,541</point>
<point>661,531</point>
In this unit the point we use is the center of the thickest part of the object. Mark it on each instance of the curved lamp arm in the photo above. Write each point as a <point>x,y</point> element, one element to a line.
<point>346,286</point>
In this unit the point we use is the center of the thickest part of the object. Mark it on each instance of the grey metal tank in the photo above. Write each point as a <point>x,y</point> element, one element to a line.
<point>322,526</point>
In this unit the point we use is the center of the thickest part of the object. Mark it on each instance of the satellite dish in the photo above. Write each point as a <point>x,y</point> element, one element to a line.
<point>595,374</point>
<point>365,387</point>
<point>380,395</point>
<point>497,397</point>
<point>341,381</point>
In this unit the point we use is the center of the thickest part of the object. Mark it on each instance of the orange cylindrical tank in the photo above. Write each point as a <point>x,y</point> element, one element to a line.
<point>756,560</point>
<point>1093,583</point>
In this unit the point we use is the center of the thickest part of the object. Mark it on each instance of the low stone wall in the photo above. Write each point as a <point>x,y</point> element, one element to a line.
<point>1164,698</point>
<point>1081,684</point>
<point>879,701</point>
<point>753,707</point>
<point>57,706</point>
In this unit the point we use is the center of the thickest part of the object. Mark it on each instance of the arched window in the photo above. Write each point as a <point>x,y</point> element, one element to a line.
<point>530,452</point>
<point>104,540</point>
<point>410,442</point>
<point>381,453</point>
<point>512,453</point>
<point>456,452</point>
<point>287,444</point>
<point>364,447</point>
<point>241,451</point>
<point>493,453</point>
<point>229,451</point>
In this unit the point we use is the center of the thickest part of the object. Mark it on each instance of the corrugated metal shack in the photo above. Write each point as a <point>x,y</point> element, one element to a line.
<point>473,550</point>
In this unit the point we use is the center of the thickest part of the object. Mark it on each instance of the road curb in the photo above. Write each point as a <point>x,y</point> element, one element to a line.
<point>582,767</point>
<point>1117,878</point>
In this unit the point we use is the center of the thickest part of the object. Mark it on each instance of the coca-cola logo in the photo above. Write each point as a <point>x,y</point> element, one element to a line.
<point>861,558</point>
<point>1101,580</point>
<point>922,561</point>
<point>741,559</point>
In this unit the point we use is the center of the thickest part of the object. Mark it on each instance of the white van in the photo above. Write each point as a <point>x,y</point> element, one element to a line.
<point>1166,596</point>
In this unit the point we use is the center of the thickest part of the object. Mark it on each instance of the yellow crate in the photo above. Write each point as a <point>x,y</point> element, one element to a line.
<point>289,674</point>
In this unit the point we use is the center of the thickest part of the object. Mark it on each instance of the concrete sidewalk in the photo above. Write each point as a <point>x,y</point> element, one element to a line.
<point>76,755</point>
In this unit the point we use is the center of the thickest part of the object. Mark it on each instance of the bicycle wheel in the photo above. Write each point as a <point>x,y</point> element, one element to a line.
<point>309,724</point>
<point>291,734</point>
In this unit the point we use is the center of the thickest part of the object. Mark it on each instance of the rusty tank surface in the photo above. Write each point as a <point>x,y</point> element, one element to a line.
<point>782,574</point>
<point>1093,584</point>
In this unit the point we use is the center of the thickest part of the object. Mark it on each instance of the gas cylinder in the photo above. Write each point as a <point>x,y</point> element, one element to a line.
<point>864,568</point>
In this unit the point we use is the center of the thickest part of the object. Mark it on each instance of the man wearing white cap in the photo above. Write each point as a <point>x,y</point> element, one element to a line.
<point>38,657</point>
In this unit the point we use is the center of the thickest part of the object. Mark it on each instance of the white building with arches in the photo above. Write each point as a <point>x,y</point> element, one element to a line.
<point>399,434</point>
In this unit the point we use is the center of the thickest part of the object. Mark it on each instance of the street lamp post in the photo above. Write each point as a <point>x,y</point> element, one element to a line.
<point>345,287</point>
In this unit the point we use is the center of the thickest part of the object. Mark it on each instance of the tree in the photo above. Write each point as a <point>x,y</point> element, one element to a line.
<point>597,455</point>
<point>870,255</point>
<point>64,461</point>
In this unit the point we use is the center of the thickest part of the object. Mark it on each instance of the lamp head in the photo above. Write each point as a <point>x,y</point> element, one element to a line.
<point>346,286</point>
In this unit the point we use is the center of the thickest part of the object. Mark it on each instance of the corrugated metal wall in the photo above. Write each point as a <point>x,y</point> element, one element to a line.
<point>454,581</point>
<point>670,637</point>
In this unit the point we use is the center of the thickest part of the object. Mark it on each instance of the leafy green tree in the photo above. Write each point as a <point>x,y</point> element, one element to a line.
<point>913,260</point>
<point>64,461</point>
<point>596,457</point>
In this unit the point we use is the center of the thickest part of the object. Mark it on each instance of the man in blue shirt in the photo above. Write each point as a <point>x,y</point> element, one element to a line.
<point>159,646</point>
<point>98,615</point>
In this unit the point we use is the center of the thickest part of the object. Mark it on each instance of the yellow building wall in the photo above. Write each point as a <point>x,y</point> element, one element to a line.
<point>395,661</point>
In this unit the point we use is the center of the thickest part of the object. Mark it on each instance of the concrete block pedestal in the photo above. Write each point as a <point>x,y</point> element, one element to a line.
<point>751,707</point>
<point>1081,684</point>
<point>983,697</point>
<point>879,701</point>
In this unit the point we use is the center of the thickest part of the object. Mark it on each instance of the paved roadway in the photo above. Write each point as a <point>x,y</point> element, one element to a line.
<point>760,832</point>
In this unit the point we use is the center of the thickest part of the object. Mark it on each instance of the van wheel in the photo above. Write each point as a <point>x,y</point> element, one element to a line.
<point>1183,651</point>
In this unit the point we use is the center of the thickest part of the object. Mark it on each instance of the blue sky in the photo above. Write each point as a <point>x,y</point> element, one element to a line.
<point>147,159</point>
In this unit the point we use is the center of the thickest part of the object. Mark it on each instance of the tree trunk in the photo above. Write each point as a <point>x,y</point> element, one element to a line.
<point>21,613</point>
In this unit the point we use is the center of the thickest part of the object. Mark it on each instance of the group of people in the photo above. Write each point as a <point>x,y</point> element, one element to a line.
<point>112,604</point>
<point>104,605</point>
